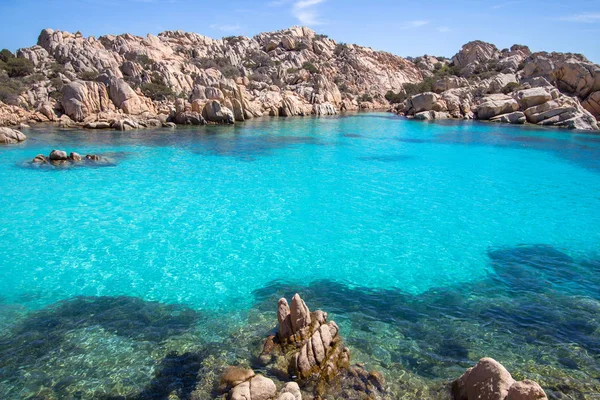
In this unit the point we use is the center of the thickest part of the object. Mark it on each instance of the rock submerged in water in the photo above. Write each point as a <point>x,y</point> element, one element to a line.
<point>59,158</point>
<point>489,380</point>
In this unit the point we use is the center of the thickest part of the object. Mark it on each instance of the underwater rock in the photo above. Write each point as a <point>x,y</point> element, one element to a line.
<point>489,380</point>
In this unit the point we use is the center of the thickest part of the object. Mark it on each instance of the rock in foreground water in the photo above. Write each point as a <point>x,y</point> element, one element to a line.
<point>489,380</point>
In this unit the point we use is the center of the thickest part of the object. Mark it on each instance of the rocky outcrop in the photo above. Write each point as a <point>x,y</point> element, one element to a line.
<point>474,54</point>
<point>309,348</point>
<point>82,99</point>
<point>11,136</point>
<point>489,380</point>
<point>142,75</point>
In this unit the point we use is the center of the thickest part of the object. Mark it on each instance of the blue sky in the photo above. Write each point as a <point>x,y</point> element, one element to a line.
<point>401,27</point>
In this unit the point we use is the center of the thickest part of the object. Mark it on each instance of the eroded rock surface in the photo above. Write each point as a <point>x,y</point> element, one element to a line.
<point>489,380</point>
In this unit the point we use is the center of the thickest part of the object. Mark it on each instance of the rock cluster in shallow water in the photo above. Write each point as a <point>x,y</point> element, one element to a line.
<point>60,158</point>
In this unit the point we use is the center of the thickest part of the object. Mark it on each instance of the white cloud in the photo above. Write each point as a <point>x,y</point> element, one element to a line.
<point>413,24</point>
<point>305,12</point>
<point>226,28</point>
<point>586,18</point>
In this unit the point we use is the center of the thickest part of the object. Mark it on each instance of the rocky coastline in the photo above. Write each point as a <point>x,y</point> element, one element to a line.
<point>307,358</point>
<point>128,82</point>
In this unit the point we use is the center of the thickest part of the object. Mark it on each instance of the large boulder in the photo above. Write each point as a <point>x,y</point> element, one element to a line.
<point>214,112</point>
<point>125,98</point>
<point>489,380</point>
<point>80,99</point>
<point>427,101</point>
<point>496,104</point>
<point>11,136</point>
<point>534,97</point>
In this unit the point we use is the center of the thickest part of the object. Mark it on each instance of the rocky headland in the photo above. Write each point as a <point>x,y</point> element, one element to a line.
<point>128,82</point>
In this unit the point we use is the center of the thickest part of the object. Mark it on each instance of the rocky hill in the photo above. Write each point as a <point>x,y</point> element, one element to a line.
<point>126,81</point>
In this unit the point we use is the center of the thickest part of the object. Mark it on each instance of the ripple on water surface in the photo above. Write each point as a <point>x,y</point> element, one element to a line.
<point>410,234</point>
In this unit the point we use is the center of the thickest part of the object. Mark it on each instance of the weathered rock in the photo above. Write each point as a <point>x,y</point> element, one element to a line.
<point>533,97</point>
<point>40,159</point>
<point>262,388</point>
<point>299,314</point>
<point>291,388</point>
<point>324,109</point>
<point>526,390</point>
<point>189,118</point>
<point>496,104</point>
<point>82,99</point>
<point>241,392</point>
<point>74,156</point>
<point>124,125</point>
<point>431,115</point>
<point>97,125</point>
<point>516,117</point>
<point>125,98</point>
<point>474,54</point>
<point>214,112</point>
<point>489,380</point>
<point>58,155</point>
<point>233,376</point>
<point>592,104</point>
<point>11,136</point>
<point>427,102</point>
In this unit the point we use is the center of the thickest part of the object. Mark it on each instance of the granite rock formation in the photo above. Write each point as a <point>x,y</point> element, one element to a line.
<point>289,72</point>
<point>310,350</point>
<point>186,78</point>
<point>489,380</point>
<point>11,136</point>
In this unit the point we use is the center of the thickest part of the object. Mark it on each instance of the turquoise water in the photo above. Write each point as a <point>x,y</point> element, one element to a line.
<point>431,244</point>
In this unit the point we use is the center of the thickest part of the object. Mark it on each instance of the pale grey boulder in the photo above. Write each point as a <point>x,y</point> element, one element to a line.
<point>11,136</point>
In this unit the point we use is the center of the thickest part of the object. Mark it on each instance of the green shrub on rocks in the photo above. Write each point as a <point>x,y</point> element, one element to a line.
<point>511,87</point>
<point>157,91</point>
<point>89,75</point>
<point>10,90</point>
<point>310,67</point>
<point>17,67</point>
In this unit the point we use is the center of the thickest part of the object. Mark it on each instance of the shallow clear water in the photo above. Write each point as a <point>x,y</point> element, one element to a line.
<point>431,244</point>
